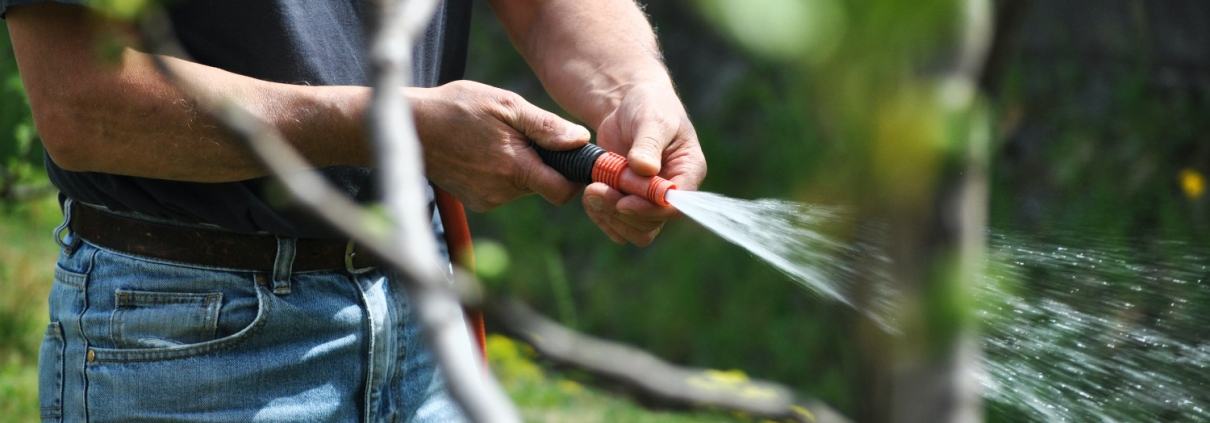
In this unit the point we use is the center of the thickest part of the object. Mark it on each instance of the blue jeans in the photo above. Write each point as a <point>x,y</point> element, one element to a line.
<point>135,339</point>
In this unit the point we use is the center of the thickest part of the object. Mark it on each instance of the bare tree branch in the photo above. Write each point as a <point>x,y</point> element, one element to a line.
<point>400,159</point>
<point>652,380</point>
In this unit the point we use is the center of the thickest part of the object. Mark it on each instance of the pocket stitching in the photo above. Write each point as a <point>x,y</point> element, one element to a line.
<point>54,333</point>
<point>70,278</point>
<point>117,355</point>
<point>126,299</point>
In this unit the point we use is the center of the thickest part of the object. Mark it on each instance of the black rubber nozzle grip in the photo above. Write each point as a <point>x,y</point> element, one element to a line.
<point>576,164</point>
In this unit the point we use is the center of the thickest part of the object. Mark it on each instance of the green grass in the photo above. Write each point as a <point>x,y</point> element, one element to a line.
<point>27,256</point>
<point>552,397</point>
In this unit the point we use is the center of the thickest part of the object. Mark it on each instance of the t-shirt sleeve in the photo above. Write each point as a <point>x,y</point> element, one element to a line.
<point>5,4</point>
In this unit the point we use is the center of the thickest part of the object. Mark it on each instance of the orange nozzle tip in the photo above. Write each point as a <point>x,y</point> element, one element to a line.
<point>613,170</point>
<point>658,190</point>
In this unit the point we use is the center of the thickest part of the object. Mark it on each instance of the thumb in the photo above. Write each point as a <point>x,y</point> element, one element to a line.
<point>647,152</point>
<point>547,129</point>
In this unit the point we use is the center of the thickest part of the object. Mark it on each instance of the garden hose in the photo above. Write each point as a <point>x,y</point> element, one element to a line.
<point>458,241</point>
<point>591,163</point>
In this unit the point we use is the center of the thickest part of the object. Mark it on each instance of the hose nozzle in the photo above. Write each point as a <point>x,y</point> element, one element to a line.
<point>591,163</point>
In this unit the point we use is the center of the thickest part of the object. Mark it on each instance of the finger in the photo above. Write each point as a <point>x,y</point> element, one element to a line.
<point>643,209</point>
<point>542,127</point>
<point>607,229</point>
<point>601,199</point>
<point>637,222</point>
<point>596,205</point>
<point>536,176</point>
<point>647,152</point>
<point>600,202</point>
<point>637,236</point>
<point>686,165</point>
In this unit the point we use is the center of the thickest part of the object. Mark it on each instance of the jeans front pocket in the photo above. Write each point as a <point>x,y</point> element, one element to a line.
<point>50,374</point>
<point>164,319</point>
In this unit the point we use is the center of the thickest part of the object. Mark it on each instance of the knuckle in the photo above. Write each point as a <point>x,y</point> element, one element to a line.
<point>547,123</point>
<point>510,100</point>
<point>461,88</point>
<point>519,177</point>
<point>661,121</point>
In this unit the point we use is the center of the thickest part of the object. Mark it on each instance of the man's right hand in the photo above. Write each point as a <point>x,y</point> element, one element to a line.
<point>476,142</point>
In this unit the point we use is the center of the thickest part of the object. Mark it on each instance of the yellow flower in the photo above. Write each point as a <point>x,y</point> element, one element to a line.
<point>570,387</point>
<point>1192,183</point>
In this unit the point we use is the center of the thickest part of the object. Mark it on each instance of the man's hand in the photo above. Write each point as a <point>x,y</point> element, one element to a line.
<point>477,144</point>
<point>651,128</point>
<point>600,61</point>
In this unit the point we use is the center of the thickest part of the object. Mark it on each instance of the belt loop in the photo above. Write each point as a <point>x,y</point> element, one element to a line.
<point>68,242</point>
<point>283,264</point>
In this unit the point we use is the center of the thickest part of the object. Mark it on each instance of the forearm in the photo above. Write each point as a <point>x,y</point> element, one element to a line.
<point>122,116</point>
<point>587,53</point>
<point>141,124</point>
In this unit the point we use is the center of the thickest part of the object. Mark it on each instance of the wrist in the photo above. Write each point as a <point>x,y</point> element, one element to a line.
<point>606,97</point>
<point>334,113</point>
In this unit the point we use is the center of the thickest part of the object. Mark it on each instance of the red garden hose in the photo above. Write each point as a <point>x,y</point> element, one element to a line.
<point>458,240</point>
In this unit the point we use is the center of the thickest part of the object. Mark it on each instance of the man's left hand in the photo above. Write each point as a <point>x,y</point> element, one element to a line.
<point>649,127</point>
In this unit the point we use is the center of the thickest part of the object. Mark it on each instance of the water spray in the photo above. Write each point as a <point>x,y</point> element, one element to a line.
<point>790,236</point>
<point>1066,339</point>
<point>591,163</point>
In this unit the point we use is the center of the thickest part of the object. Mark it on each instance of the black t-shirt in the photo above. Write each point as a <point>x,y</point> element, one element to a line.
<point>310,42</point>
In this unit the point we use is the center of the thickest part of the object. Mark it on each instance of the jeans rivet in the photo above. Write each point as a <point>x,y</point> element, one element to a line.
<point>92,356</point>
<point>261,279</point>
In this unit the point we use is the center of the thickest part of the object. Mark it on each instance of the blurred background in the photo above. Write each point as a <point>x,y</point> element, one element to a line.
<point>1090,118</point>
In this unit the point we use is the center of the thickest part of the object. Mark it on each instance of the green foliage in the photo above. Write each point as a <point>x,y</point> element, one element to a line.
<point>18,390</point>
<point>491,259</point>
<point>20,149</point>
<point>127,10</point>
<point>27,254</point>
<point>1113,167</point>
<point>782,29</point>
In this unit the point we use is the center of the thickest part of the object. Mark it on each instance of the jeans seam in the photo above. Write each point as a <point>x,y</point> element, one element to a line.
<point>371,340</point>
<point>54,331</point>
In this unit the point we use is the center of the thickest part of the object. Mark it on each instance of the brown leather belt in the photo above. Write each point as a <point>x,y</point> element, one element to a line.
<point>211,248</point>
